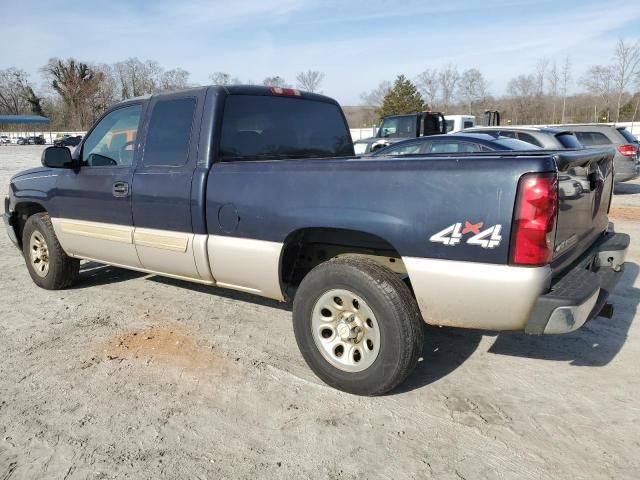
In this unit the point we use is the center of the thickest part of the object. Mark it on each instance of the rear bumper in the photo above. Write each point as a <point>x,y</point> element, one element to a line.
<point>626,170</point>
<point>580,294</point>
<point>504,297</point>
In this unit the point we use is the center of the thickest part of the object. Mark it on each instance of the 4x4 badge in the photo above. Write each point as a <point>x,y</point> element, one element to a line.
<point>452,235</point>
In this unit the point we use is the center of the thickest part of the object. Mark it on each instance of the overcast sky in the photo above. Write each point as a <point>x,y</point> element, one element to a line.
<point>356,43</point>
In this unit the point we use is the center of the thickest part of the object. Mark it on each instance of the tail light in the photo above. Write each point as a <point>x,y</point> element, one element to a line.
<point>628,150</point>
<point>535,219</point>
<point>290,92</point>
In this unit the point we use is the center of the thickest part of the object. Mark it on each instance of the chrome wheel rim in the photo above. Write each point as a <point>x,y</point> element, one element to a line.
<point>39,254</point>
<point>345,330</point>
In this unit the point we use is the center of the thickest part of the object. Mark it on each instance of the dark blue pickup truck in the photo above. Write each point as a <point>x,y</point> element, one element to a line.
<point>258,189</point>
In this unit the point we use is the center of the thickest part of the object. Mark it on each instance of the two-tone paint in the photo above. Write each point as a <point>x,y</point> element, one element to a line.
<point>228,223</point>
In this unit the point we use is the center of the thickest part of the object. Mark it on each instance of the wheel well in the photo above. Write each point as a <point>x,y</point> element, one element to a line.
<point>306,248</point>
<point>22,212</point>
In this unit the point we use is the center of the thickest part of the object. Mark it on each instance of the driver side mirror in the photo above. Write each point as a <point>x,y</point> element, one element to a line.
<point>57,157</point>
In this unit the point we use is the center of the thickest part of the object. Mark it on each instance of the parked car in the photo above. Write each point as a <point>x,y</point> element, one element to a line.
<point>396,128</point>
<point>455,143</point>
<point>68,141</point>
<point>257,189</point>
<point>4,139</point>
<point>22,141</point>
<point>548,138</point>
<point>36,140</point>
<point>627,161</point>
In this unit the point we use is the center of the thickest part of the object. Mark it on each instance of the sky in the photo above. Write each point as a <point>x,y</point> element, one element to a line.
<point>357,44</point>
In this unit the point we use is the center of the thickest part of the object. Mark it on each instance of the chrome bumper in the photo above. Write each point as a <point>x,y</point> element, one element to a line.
<point>580,294</point>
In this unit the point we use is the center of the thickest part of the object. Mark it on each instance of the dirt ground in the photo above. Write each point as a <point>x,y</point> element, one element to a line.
<point>128,375</point>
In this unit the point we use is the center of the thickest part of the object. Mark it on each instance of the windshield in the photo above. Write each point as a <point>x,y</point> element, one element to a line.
<point>258,127</point>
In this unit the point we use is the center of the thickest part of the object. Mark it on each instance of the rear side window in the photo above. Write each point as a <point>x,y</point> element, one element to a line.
<point>628,136</point>
<point>568,140</point>
<point>407,149</point>
<point>271,128</point>
<point>169,132</point>
<point>506,133</point>
<point>527,137</point>
<point>467,124</point>
<point>589,139</point>
<point>513,144</point>
<point>454,147</point>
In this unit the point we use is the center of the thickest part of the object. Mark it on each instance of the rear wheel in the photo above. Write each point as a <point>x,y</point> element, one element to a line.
<point>49,266</point>
<point>357,325</point>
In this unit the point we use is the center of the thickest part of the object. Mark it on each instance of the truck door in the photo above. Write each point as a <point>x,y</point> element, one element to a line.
<point>95,202</point>
<point>163,235</point>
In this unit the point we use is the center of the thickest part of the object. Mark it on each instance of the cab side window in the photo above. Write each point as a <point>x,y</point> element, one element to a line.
<point>169,134</point>
<point>112,142</point>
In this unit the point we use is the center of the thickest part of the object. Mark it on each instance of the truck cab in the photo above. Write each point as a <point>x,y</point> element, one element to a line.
<point>396,128</point>
<point>457,123</point>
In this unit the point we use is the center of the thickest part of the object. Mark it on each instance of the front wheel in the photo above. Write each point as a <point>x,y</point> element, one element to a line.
<point>357,325</point>
<point>49,266</point>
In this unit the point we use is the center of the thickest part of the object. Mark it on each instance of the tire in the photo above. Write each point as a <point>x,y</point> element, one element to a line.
<point>395,329</point>
<point>49,266</point>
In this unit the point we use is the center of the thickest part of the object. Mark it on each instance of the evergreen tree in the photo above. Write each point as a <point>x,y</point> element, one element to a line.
<point>402,98</point>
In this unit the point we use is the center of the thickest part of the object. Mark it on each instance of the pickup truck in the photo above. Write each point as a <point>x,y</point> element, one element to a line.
<point>395,128</point>
<point>258,189</point>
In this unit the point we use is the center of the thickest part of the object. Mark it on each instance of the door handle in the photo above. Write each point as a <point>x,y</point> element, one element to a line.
<point>120,189</point>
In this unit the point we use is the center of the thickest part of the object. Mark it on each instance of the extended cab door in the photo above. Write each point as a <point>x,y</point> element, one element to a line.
<point>164,237</point>
<point>94,203</point>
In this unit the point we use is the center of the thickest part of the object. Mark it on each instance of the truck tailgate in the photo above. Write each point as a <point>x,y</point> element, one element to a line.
<point>585,186</point>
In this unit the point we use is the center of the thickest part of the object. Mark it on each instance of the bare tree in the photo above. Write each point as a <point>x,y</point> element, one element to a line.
<point>565,78</point>
<point>138,78</point>
<point>540,73</point>
<point>448,78</point>
<point>598,80</point>
<point>310,80</point>
<point>472,87</point>
<point>223,78</point>
<point>275,81</point>
<point>429,86</point>
<point>107,89</point>
<point>553,83</point>
<point>523,92</point>
<point>77,83</point>
<point>174,79</point>
<point>13,91</point>
<point>626,66</point>
<point>375,97</point>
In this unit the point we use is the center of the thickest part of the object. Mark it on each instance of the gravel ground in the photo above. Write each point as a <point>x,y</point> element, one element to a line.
<point>136,376</point>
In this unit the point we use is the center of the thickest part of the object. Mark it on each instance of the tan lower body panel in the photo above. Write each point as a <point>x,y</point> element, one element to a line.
<point>104,242</point>
<point>475,295</point>
<point>245,264</point>
<point>237,263</point>
<point>171,252</point>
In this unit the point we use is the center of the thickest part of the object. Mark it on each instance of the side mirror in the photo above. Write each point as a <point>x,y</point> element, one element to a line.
<point>57,157</point>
